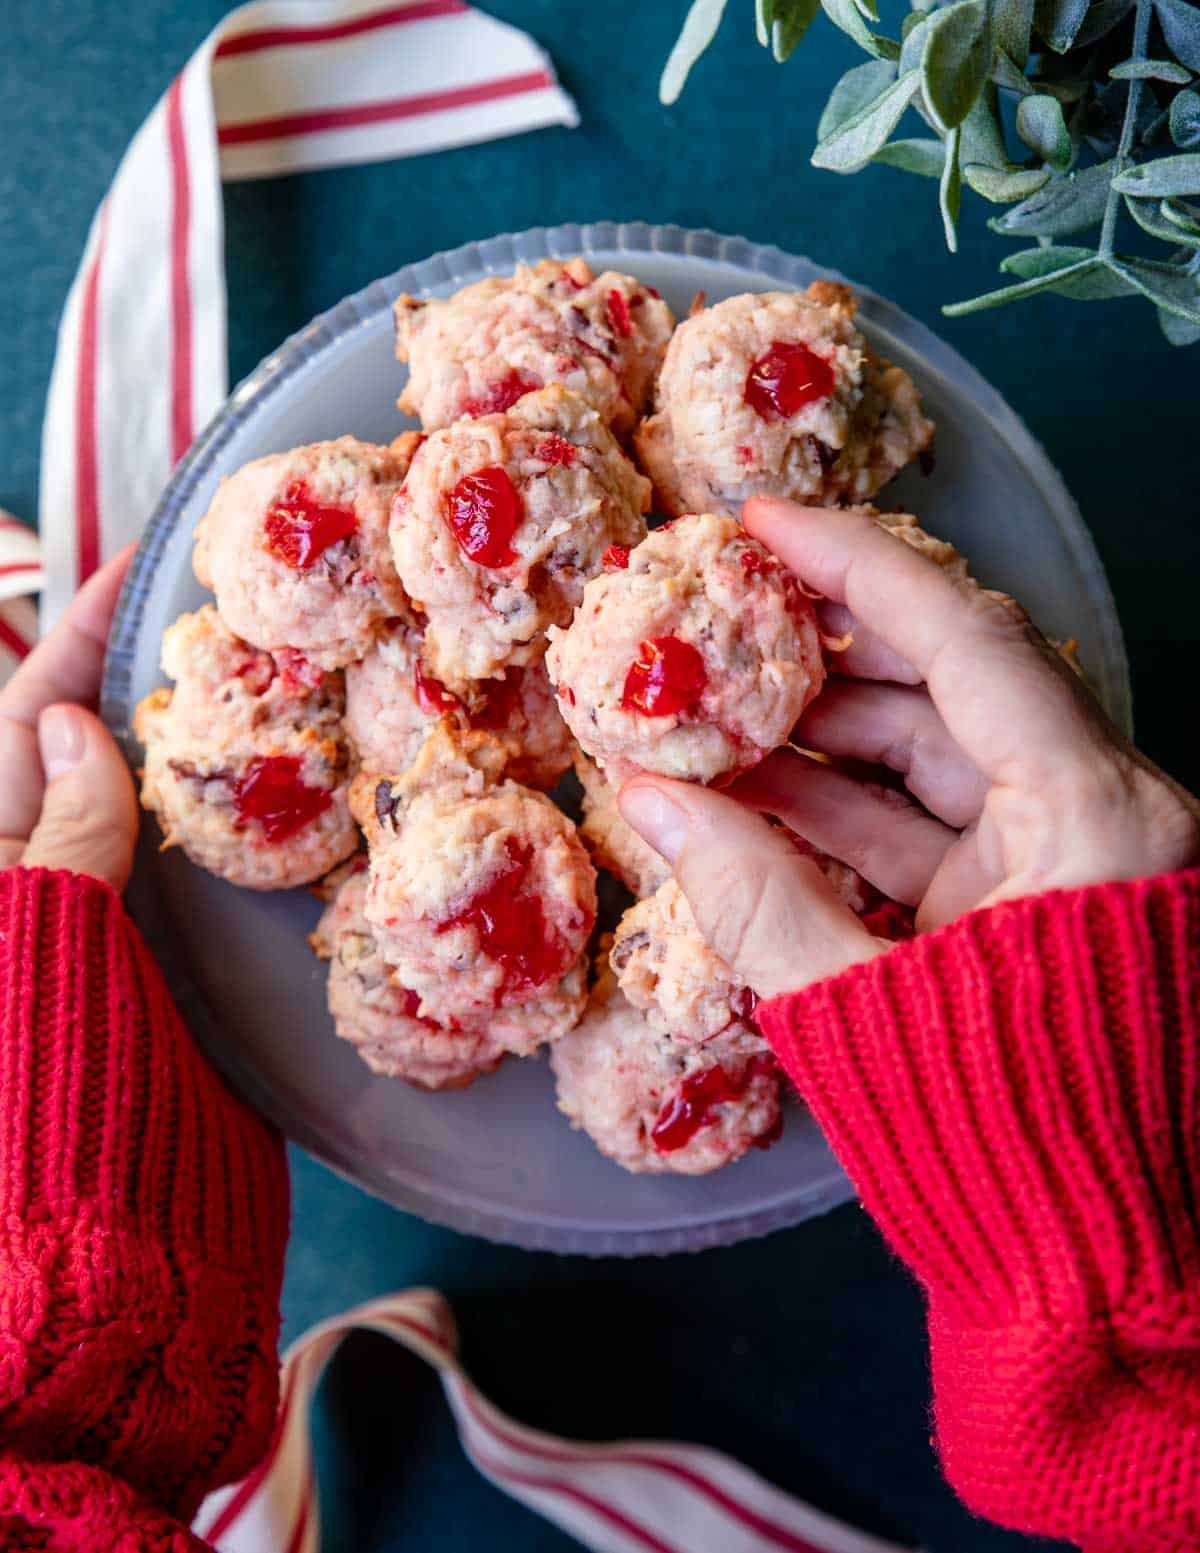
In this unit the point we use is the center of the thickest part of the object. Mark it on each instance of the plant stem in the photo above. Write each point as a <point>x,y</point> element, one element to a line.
<point>1141,33</point>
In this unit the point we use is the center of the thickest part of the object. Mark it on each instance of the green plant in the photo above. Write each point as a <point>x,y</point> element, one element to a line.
<point>1098,99</point>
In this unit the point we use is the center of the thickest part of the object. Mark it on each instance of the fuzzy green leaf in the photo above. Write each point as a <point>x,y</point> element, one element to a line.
<point>869,9</point>
<point>1006,74</point>
<point>1168,176</point>
<point>1066,204</point>
<point>1151,70</point>
<point>1180,22</point>
<point>790,20</point>
<point>1041,126</point>
<point>764,11</point>
<point>1153,219</point>
<point>926,157</point>
<point>1058,21</point>
<point>1096,283</point>
<point>1012,23</point>
<point>950,190</point>
<point>699,29</point>
<point>1003,185</point>
<point>1184,219</point>
<point>956,61</point>
<point>854,144</point>
<point>1185,119</point>
<point>1177,330</point>
<point>855,91</point>
<point>983,133</point>
<point>845,14</point>
<point>1170,287</point>
<point>1051,280</point>
<point>913,45</point>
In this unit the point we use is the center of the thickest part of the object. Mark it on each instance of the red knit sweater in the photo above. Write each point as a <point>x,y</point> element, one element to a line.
<point>1017,1098</point>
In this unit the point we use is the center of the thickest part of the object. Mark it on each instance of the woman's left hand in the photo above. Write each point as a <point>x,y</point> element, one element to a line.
<point>66,796</point>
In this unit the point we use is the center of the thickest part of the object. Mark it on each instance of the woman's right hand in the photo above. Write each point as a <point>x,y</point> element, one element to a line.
<point>1016,781</point>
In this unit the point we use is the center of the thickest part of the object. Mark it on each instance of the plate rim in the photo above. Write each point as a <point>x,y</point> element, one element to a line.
<point>499,255</point>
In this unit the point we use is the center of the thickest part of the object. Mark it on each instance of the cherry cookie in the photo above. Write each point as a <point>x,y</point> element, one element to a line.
<point>692,657</point>
<point>295,548</point>
<point>246,765</point>
<point>500,523</point>
<point>777,394</point>
<point>379,1017</point>
<point>393,701</point>
<point>477,352</point>
<point>655,1105</point>
<point>666,969</point>
<point>480,894</point>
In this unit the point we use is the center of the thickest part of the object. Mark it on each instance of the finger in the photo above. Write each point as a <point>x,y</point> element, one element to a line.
<point>66,666</point>
<point>1010,707</point>
<point>879,832</point>
<point>89,813</point>
<point>767,910</point>
<point>864,656</point>
<point>900,728</point>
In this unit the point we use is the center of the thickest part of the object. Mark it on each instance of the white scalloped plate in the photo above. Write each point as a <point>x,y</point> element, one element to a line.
<point>497,1159</point>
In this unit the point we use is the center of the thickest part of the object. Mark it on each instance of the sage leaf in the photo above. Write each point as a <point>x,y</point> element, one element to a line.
<point>1171,287</point>
<point>950,190</point>
<point>1168,175</point>
<point>1025,288</point>
<point>1153,219</point>
<point>926,157</point>
<point>790,22</point>
<point>854,91</point>
<point>983,134</point>
<point>1006,74</point>
<point>956,61</point>
<point>1096,282</point>
<point>1151,70</point>
<point>1102,17</point>
<point>764,11</point>
<point>1012,23</point>
<point>1180,22</point>
<point>854,144</point>
<point>913,45</point>
<point>869,9</point>
<point>1185,119</point>
<point>1069,203</point>
<point>1177,330</point>
<point>698,30</point>
<point>1041,126</point>
<point>1185,219</point>
<point>845,14</point>
<point>1003,185</point>
<point>1058,21</point>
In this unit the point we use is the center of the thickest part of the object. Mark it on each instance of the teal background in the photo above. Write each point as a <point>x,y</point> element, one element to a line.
<point>804,1353</point>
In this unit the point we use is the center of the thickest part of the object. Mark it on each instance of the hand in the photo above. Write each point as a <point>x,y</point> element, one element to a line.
<point>66,796</point>
<point>1016,781</point>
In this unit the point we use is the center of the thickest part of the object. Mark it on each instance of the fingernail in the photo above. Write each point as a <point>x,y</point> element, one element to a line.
<point>661,821</point>
<point>61,739</point>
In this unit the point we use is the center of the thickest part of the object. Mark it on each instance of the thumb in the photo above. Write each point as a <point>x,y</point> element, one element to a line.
<point>760,904</point>
<point>89,815</point>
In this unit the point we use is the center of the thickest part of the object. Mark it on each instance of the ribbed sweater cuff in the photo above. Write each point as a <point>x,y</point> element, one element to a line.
<point>143,1211</point>
<point>1017,1099</point>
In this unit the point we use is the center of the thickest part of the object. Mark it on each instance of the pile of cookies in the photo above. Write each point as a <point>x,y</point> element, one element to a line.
<point>412,645</point>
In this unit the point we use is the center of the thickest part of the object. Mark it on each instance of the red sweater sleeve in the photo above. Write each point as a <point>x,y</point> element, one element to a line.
<point>143,1216</point>
<point>1017,1099</point>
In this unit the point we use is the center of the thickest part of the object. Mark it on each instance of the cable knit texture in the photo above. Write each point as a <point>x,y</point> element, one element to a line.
<point>143,1217</point>
<point>1017,1099</point>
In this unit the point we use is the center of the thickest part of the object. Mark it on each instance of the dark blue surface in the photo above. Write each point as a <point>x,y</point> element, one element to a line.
<point>803,1353</point>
